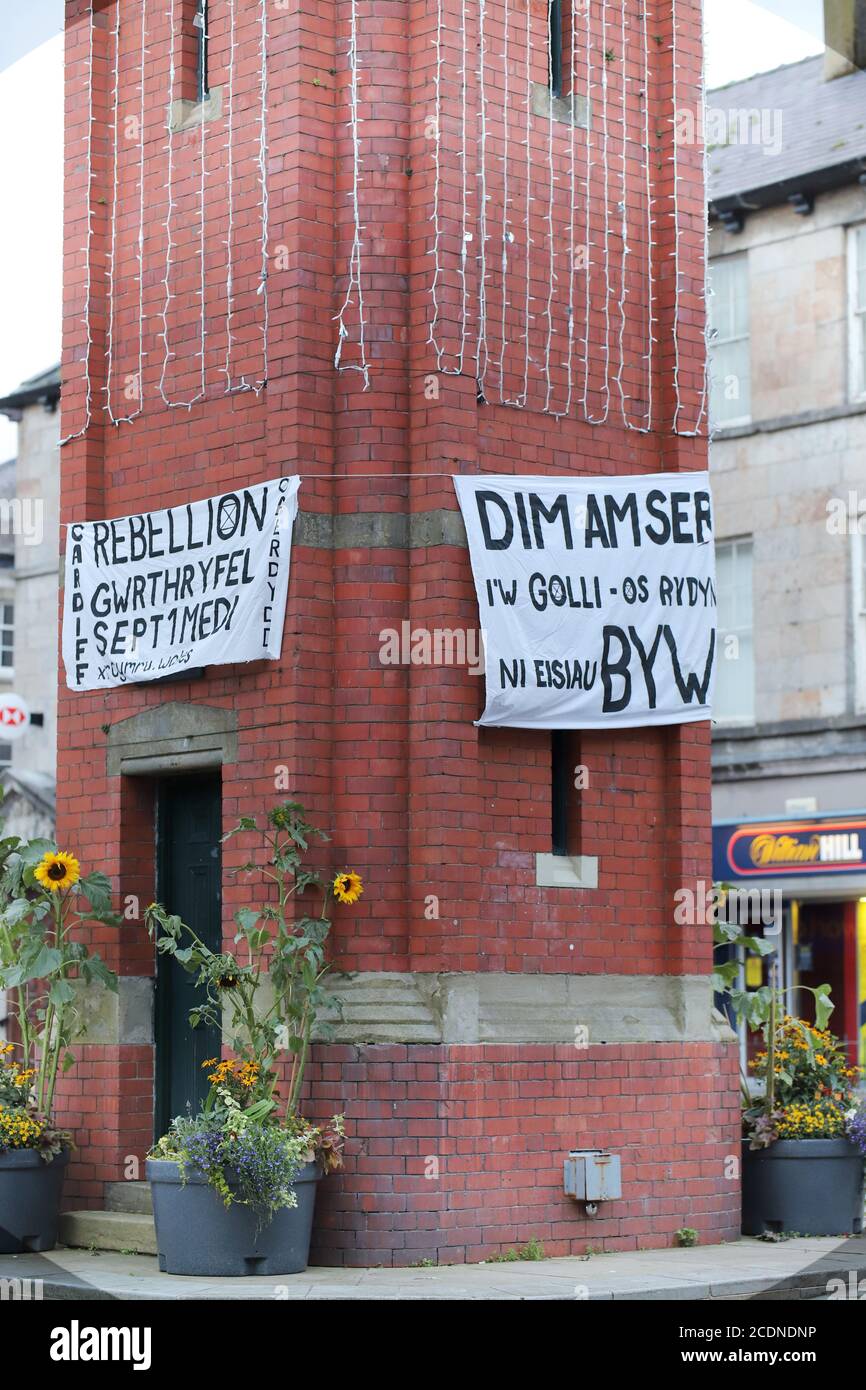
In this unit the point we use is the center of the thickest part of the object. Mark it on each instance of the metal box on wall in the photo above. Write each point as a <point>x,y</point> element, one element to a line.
<point>591,1175</point>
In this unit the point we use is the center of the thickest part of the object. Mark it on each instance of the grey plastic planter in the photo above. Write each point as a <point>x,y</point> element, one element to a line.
<point>812,1186</point>
<point>29,1200</point>
<point>197,1234</point>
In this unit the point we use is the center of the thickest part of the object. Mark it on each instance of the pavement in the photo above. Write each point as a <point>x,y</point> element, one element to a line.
<point>802,1268</point>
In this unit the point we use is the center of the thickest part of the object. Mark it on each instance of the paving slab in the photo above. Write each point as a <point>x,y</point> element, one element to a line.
<point>795,1269</point>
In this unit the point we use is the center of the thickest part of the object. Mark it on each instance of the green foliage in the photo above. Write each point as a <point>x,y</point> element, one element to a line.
<point>783,1108</point>
<point>270,943</point>
<point>533,1250</point>
<point>274,944</point>
<point>41,957</point>
<point>243,1158</point>
<point>249,1142</point>
<point>686,1237</point>
<point>812,1086</point>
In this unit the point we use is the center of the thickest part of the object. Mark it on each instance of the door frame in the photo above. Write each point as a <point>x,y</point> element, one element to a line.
<point>162,1001</point>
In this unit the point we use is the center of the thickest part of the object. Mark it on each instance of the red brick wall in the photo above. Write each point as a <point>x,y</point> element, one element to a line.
<point>457,1153</point>
<point>415,797</point>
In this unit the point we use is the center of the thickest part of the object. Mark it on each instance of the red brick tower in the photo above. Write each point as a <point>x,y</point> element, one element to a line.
<point>514,280</point>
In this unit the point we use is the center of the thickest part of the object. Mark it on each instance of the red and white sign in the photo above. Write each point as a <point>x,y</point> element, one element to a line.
<point>14,717</point>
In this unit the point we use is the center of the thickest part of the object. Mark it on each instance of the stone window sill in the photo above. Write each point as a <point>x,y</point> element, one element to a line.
<point>566,871</point>
<point>567,110</point>
<point>186,115</point>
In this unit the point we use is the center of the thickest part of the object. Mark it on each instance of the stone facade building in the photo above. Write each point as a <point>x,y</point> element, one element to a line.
<point>34,405</point>
<point>495,1016</point>
<point>788,270</point>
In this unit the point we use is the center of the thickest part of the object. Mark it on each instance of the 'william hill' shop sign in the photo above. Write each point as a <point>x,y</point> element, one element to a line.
<point>596,596</point>
<point>201,584</point>
<point>790,849</point>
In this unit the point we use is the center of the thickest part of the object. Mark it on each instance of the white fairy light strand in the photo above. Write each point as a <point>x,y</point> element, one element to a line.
<point>202,265</point>
<point>437,173</point>
<point>600,420</point>
<point>88,399</point>
<point>139,379</point>
<point>481,351</point>
<point>438,270</point>
<point>465,234</point>
<point>230,198</point>
<point>608,357</point>
<point>651,319</point>
<point>353,286</point>
<point>679,407</point>
<point>626,248</point>
<point>263,180</point>
<point>524,394</point>
<point>243,384</point>
<point>572,195</point>
<point>551,250</point>
<point>504,230</point>
<point>169,244</point>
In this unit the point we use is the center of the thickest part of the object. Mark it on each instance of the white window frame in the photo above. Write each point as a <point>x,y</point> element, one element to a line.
<point>858,585</point>
<point>856,315</point>
<point>742,257</point>
<point>735,721</point>
<point>7,672</point>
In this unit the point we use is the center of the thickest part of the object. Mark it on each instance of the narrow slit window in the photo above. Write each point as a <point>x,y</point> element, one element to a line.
<point>7,636</point>
<point>564,796</point>
<point>858,312</point>
<point>200,21</point>
<point>554,24</point>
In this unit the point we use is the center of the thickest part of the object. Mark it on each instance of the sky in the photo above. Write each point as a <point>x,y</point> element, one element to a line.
<point>743,37</point>
<point>31,167</point>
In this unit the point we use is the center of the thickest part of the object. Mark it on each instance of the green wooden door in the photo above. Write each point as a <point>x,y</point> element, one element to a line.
<point>188,857</point>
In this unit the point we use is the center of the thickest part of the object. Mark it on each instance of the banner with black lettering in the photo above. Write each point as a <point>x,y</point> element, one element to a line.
<point>201,584</point>
<point>596,597</point>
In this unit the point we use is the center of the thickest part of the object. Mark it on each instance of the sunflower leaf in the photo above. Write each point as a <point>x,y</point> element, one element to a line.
<point>96,888</point>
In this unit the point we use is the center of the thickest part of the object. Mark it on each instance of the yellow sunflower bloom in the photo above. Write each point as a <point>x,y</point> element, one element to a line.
<point>348,887</point>
<point>56,871</point>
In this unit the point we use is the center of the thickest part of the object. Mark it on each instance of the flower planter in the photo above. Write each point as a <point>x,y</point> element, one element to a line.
<point>812,1186</point>
<point>29,1200</point>
<point>197,1234</point>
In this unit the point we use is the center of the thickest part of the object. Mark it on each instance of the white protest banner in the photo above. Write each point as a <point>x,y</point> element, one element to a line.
<point>596,596</point>
<point>201,584</point>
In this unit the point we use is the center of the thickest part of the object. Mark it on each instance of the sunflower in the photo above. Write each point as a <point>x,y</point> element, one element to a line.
<point>348,887</point>
<point>56,871</point>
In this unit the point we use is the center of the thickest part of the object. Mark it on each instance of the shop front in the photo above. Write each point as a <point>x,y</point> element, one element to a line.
<point>803,882</point>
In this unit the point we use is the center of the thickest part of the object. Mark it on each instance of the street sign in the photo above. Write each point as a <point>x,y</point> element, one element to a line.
<point>14,717</point>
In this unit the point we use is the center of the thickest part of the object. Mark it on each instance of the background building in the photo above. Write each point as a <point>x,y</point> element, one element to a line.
<point>369,269</point>
<point>29,494</point>
<point>7,594</point>
<point>788,272</point>
<point>29,600</point>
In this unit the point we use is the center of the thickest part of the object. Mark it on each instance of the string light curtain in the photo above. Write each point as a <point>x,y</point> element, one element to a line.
<point>551,209</point>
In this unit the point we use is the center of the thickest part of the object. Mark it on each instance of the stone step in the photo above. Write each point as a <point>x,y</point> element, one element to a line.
<point>128,1232</point>
<point>129,1196</point>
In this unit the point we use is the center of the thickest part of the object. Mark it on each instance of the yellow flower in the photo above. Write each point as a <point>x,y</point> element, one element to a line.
<point>56,871</point>
<point>348,887</point>
<point>211,1062</point>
